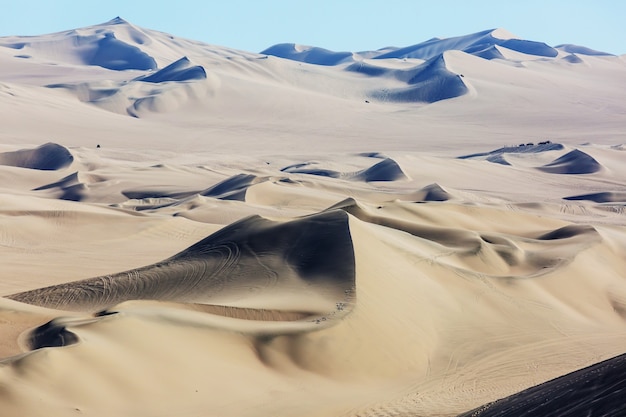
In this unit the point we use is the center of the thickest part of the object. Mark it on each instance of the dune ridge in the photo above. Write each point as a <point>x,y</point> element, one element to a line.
<point>181,70</point>
<point>574,162</point>
<point>385,170</point>
<point>211,268</point>
<point>73,187</point>
<point>311,55</point>
<point>431,82</point>
<point>477,43</point>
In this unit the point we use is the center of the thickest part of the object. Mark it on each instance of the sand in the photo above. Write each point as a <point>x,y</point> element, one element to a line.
<point>186,229</point>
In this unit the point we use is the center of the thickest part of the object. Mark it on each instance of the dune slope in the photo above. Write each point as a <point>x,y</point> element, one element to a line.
<point>250,255</point>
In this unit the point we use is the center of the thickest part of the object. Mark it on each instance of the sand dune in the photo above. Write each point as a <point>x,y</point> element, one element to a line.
<point>226,265</point>
<point>292,294</point>
<point>429,82</point>
<point>73,187</point>
<point>164,90</point>
<point>432,192</point>
<point>573,59</point>
<point>385,170</point>
<point>604,197</point>
<point>567,395</point>
<point>102,49</point>
<point>233,188</point>
<point>410,231</point>
<point>577,49</point>
<point>522,148</point>
<point>309,54</point>
<point>477,43</point>
<point>49,156</point>
<point>574,162</point>
<point>181,70</point>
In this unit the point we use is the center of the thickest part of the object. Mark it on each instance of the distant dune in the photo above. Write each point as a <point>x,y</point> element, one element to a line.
<point>311,55</point>
<point>71,187</point>
<point>181,70</point>
<point>48,157</point>
<point>574,162</point>
<point>602,197</point>
<point>432,192</point>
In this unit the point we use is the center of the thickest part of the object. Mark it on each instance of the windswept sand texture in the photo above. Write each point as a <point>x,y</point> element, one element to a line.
<point>191,230</point>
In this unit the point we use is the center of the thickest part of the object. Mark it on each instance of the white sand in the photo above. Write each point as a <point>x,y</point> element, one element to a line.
<point>350,263</point>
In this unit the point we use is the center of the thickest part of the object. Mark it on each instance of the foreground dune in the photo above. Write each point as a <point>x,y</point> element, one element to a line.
<point>567,395</point>
<point>236,234</point>
<point>404,299</point>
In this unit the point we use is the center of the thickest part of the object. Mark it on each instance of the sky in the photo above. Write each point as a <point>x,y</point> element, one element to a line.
<point>338,25</point>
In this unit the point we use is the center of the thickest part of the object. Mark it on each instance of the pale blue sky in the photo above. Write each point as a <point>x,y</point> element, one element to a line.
<point>348,25</point>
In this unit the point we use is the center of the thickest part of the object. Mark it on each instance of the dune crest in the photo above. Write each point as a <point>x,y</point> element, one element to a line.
<point>181,70</point>
<point>574,162</point>
<point>254,255</point>
<point>432,192</point>
<point>385,170</point>
<point>429,82</point>
<point>73,187</point>
<point>233,188</point>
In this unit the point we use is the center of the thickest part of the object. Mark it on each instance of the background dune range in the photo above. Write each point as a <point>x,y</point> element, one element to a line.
<point>191,230</point>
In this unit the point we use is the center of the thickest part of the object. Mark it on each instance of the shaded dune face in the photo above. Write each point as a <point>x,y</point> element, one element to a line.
<point>601,197</point>
<point>232,188</point>
<point>52,334</point>
<point>309,54</point>
<point>111,53</point>
<point>181,70</point>
<point>73,187</point>
<point>385,170</point>
<point>100,48</point>
<point>574,162</point>
<point>312,254</point>
<point>472,44</point>
<point>47,157</point>
<point>432,192</point>
<point>593,391</point>
<point>497,155</point>
<point>429,82</point>
<point>568,232</point>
